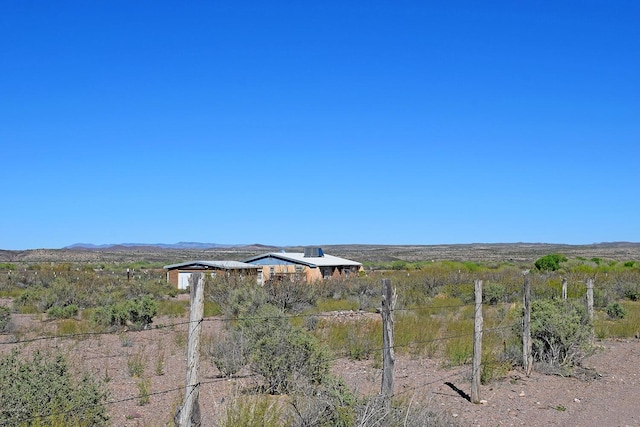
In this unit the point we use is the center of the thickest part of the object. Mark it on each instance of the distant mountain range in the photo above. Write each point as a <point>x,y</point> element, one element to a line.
<point>179,245</point>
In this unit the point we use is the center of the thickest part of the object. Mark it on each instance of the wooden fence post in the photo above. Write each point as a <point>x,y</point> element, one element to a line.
<point>590,305</point>
<point>389,297</point>
<point>526,329</point>
<point>188,414</point>
<point>564,289</point>
<point>477,344</point>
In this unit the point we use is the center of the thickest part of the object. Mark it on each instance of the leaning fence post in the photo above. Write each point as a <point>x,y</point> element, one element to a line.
<point>389,297</point>
<point>527,344</point>
<point>477,344</point>
<point>189,414</point>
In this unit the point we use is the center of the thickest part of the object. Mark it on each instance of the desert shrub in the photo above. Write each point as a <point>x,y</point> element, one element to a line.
<point>291,295</point>
<point>615,310</point>
<point>277,350</point>
<point>42,391</point>
<point>243,301</point>
<point>144,387</point>
<point>631,291</point>
<point>137,313</point>
<point>374,411</point>
<point>5,317</point>
<point>66,312</point>
<point>493,293</point>
<point>330,404</point>
<point>228,353</point>
<point>550,262</point>
<point>362,338</point>
<point>560,333</point>
<point>287,353</point>
<point>252,411</point>
<point>55,291</point>
<point>172,308</point>
<point>368,294</point>
<point>136,363</point>
<point>219,289</point>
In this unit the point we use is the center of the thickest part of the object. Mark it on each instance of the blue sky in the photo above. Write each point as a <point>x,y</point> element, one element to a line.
<point>296,123</point>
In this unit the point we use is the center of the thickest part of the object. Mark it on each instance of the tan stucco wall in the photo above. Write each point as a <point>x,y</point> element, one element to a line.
<point>310,274</point>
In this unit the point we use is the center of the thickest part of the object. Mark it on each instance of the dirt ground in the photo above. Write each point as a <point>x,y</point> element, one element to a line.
<point>608,398</point>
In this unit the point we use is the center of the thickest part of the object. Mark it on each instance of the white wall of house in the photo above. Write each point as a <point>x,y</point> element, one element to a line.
<point>183,279</point>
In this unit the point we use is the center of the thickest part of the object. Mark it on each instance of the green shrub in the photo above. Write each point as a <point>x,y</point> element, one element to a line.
<point>286,353</point>
<point>631,291</point>
<point>252,411</point>
<point>137,313</point>
<point>65,312</point>
<point>615,310</point>
<point>560,333</point>
<point>42,391</point>
<point>550,262</point>
<point>291,295</point>
<point>144,387</point>
<point>172,308</point>
<point>228,353</point>
<point>136,364</point>
<point>5,317</point>
<point>330,404</point>
<point>493,293</point>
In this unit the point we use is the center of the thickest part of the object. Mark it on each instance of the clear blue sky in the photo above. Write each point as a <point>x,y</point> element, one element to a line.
<point>324,122</point>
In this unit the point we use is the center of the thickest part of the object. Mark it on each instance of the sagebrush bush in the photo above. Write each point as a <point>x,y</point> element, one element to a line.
<point>42,391</point>
<point>329,404</point>
<point>291,295</point>
<point>374,412</point>
<point>5,317</point>
<point>615,310</point>
<point>280,352</point>
<point>560,332</point>
<point>229,352</point>
<point>66,312</point>
<point>136,313</point>
<point>493,293</point>
<point>275,349</point>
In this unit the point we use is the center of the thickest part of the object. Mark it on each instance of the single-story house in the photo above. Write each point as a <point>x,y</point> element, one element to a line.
<point>311,265</point>
<point>179,274</point>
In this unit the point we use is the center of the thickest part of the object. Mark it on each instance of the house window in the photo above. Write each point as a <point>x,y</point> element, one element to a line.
<point>299,269</point>
<point>272,271</point>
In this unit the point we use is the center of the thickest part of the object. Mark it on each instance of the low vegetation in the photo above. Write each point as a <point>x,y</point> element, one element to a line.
<point>282,333</point>
<point>41,391</point>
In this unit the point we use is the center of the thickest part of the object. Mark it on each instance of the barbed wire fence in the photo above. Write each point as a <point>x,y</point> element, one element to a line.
<point>191,386</point>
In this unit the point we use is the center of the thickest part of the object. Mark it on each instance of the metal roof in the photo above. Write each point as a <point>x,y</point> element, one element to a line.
<point>299,258</point>
<point>225,265</point>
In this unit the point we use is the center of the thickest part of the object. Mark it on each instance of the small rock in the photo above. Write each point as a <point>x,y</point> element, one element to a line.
<point>483,402</point>
<point>576,400</point>
<point>521,394</point>
<point>454,415</point>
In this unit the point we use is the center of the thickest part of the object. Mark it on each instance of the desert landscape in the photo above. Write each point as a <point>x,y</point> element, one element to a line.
<point>603,391</point>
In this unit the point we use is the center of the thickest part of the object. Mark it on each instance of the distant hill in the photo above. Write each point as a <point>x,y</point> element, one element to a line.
<point>179,245</point>
<point>516,253</point>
